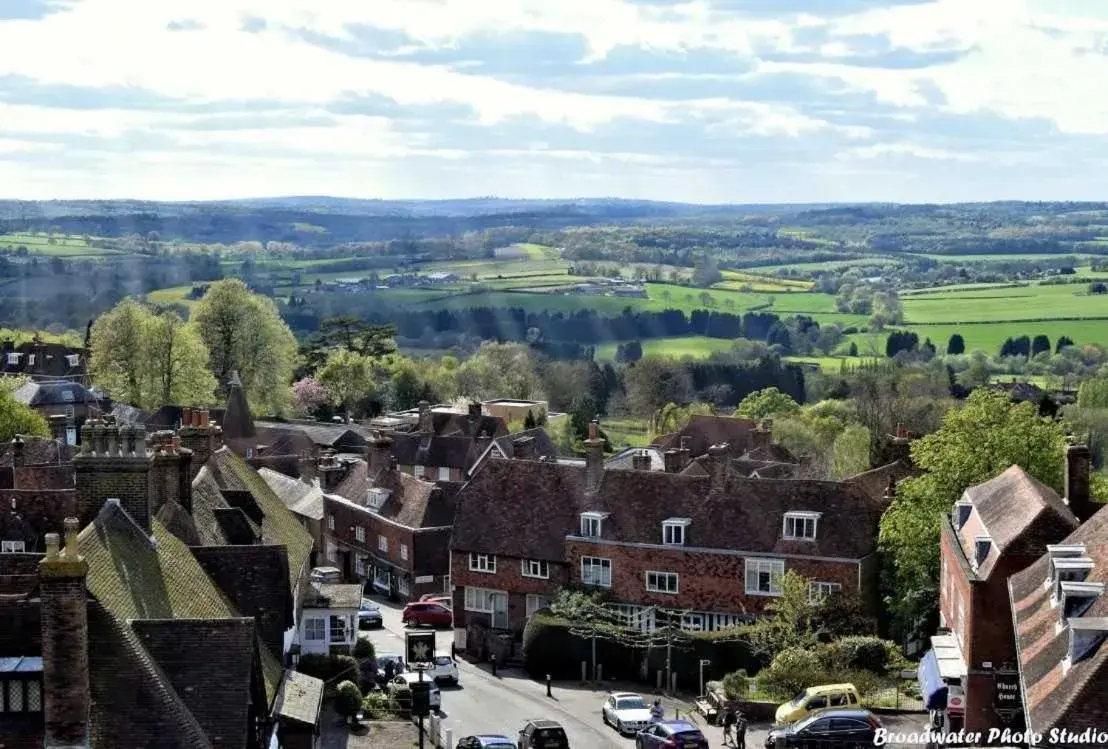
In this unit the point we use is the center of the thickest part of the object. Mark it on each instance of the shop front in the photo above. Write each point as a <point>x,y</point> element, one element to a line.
<point>941,673</point>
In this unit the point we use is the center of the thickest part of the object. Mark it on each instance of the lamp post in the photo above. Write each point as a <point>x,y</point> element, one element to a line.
<point>703,662</point>
<point>419,668</point>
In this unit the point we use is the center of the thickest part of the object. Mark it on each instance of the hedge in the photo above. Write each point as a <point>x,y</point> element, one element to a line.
<point>550,647</point>
<point>329,668</point>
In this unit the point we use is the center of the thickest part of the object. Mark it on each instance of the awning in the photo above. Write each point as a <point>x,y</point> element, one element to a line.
<point>931,684</point>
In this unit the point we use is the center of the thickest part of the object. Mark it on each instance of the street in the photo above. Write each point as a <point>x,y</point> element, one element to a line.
<point>483,703</point>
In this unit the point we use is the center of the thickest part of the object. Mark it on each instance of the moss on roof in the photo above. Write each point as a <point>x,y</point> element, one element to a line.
<point>135,578</point>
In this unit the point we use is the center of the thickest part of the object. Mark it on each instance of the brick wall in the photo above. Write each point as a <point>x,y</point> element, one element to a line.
<point>34,514</point>
<point>706,582</point>
<point>508,578</point>
<point>349,517</point>
<point>100,478</point>
<point>65,660</point>
<point>52,476</point>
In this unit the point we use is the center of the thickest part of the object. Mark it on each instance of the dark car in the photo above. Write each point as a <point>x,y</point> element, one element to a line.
<point>485,741</point>
<point>426,615</point>
<point>369,615</point>
<point>671,734</point>
<point>542,733</point>
<point>827,729</point>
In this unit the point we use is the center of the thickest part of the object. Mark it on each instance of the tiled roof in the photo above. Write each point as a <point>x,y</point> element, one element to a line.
<point>209,511</point>
<point>138,579</point>
<point>133,702</point>
<point>450,424</point>
<point>318,433</point>
<point>541,443</point>
<point>30,515</point>
<point>434,451</point>
<point>299,698</point>
<point>54,394</point>
<point>624,460</point>
<point>704,431</point>
<point>272,673</point>
<point>527,508</point>
<point>126,414</point>
<point>179,522</point>
<point>1076,698</point>
<point>302,498</point>
<point>1020,514</point>
<point>412,502</point>
<point>875,482</point>
<point>773,453</point>
<point>38,451</point>
<point>220,704</point>
<point>332,596</point>
<point>279,525</point>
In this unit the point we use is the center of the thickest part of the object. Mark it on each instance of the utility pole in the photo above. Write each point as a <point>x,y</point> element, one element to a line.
<point>420,669</point>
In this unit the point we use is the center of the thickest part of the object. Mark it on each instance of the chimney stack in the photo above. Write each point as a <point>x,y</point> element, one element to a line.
<point>58,425</point>
<point>17,451</point>
<point>380,454</point>
<point>170,472</point>
<point>899,446</point>
<point>672,460</point>
<point>763,433</point>
<point>199,436</point>
<point>65,660</point>
<point>113,463</point>
<point>594,457</point>
<point>890,490</point>
<point>330,472</point>
<point>717,464</point>
<point>640,461</point>
<point>475,410</point>
<point>1078,460</point>
<point>425,424</point>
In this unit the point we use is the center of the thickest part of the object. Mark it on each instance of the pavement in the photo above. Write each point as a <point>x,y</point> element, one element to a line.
<point>483,703</point>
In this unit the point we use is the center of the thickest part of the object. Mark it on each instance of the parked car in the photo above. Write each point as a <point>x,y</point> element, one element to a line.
<point>439,598</point>
<point>671,734</point>
<point>542,733</point>
<point>326,575</point>
<point>405,680</point>
<point>627,712</point>
<point>816,698</point>
<point>485,741</point>
<point>426,615</point>
<point>369,615</point>
<point>835,728</point>
<point>442,669</point>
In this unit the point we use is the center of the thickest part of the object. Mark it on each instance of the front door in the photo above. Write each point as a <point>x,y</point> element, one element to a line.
<point>500,611</point>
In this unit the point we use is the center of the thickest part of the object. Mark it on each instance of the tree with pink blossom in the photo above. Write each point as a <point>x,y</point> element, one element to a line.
<point>308,395</point>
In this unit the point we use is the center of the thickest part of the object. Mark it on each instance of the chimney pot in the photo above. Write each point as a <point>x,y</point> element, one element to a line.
<point>594,430</point>
<point>186,417</point>
<point>53,546</point>
<point>204,417</point>
<point>72,528</point>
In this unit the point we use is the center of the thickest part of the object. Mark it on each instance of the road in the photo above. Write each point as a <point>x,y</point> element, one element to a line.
<point>483,703</point>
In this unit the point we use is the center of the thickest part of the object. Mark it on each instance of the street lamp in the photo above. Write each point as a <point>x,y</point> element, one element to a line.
<point>703,662</point>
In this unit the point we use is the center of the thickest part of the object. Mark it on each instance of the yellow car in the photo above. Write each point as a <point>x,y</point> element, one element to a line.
<point>816,698</point>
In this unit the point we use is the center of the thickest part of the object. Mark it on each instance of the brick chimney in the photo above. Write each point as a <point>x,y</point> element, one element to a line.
<point>17,451</point>
<point>762,436</point>
<point>113,463</point>
<point>426,426</point>
<point>899,446</point>
<point>1078,460</point>
<point>475,411</point>
<point>672,460</point>
<point>594,457</point>
<point>717,465</point>
<point>330,473</point>
<point>65,662</point>
<point>380,454</point>
<point>199,436</point>
<point>171,471</point>
<point>640,461</point>
<point>58,425</point>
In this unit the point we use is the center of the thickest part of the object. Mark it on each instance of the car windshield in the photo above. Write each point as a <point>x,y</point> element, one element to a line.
<point>500,745</point>
<point>369,606</point>
<point>443,660</point>
<point>804,723</point>
<point>550,733</point>
<point>799,699</point>
<point>630,703</point>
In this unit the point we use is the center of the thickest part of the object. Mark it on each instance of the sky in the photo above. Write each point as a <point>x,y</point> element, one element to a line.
<point>710,101</point>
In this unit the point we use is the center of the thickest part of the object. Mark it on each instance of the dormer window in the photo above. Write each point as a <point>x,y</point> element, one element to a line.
<point>1085,637</point>
<point>982,545</point>
<point>1077,598</point>
<point>592,524</point>
<point>376,497</point>
<point>962,510</point>
<point>673,531</point>
<point>800,525</point>
<point>73,359</point>
<point>13,359</point>
<point>1059,557</point>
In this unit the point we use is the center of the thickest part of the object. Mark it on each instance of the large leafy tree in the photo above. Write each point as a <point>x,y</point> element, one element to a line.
<point>348,378</point>
<point>766,402</point>
<point>350,333</point>
<point>149,357</point>
<point>245,333</point>
<point>975,443</point>
<point>15,417</point>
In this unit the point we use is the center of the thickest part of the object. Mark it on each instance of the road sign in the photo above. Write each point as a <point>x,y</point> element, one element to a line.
<point>419,646</point>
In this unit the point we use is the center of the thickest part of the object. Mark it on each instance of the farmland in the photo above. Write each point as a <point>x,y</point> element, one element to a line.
<point>51,245</point>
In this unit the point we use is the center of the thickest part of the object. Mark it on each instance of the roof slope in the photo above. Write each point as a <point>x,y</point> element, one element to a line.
<point>704,431</point>
<point>435,451</point>
<point>279,526</point>
<point>135,578</point>
<point>237,422</point>
<point>299,698</point>
<point>412,502</point>
<point>875,482</point>
<point>1076,699</point>
<point>302,498</point>
<point>53,393</point>
<point>38,451</point>
<point>541,443</point>
<point>1020,513</point>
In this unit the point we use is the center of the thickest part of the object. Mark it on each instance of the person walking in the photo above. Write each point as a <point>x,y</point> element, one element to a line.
<point>657,713</point>
<point>740,731</point>
<point>729,719</point>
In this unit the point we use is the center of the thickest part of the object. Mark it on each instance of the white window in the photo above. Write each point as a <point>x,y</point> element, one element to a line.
<point>30,360</point>
<point>377,497</point>
<point>535,602</point>
<point>818,591</point>
<point>404,552</point>
<point>359,534</point>
<point>359,566</point>
<point>13,359</point>
<point>331,555</point>
<point>315,629</point>
<point>763,576</point>
<point>592,524</point>
<point>382,544</point>
<point>417,471</point>
<point>692,622</point>
<point>444,473</point>
<point>330,522</point>
<point>800,525</point>
<point>661,582</point>
<point>73,359</point>
<point>338,629</point>
<point>673,531</point>
<point>482,562</point>
<point>596,571</point>
<point>12,547</point>
<point>402,586</point>
<point>481,599</point>
<point>535,568</point>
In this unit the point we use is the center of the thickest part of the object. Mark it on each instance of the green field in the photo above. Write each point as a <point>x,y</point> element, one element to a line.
<point>173,295</point>
<point>62,245</point>
<point>988,337</point>
<point>997,305</point>
<point>826,265</point>
<point>698,347</point>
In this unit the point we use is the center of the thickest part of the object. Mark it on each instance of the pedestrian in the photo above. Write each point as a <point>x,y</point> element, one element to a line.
<point>740,731</point>
<point>729,719</point>
<point>390,670</point>
<point>657,712</point>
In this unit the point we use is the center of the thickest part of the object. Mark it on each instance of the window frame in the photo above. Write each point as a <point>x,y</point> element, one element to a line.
<point>382,543</point>
<point>674,527</point>
<point>588,519</point>
<point>601,563</point>
<point>444,473</point>
<point>658,576</point>
<point>526,569</point>
<point>538,600</point>
<point>359,534</point>
<point>756,565</point>
<point>800,520</point>
<point>330,522</point>
<point>473,597</point>
<point>819,590</point>
<point>485,563</point>
<point>13,547</point>
<point>404,552</point>
<point>308,629</point>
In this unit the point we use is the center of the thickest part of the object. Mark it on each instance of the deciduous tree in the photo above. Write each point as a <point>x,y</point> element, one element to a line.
<point>348,377</point>
<point>766,402</point>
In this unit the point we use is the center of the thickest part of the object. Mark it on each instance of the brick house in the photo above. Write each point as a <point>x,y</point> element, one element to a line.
<point>703,431</point>
<point>711,547</point>
<point>385,527</point>
<point>44,361</point>
<point>996,529</point>
<point>61,401</point>
<point>445,446</point>
<point>1060,616</point>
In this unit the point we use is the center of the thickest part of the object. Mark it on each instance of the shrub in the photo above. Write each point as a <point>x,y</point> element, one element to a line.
<point>348,699</point>
<point>792,670</point>
<point>364,649</point>
<point>378,706</point>
<point>737,685</point>
<point>329,668</point>
<point>854,653</point>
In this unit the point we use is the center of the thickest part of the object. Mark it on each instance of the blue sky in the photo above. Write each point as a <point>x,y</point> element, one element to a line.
<point>704,101</point>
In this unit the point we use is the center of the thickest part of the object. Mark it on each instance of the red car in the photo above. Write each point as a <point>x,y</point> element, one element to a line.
<point>426,614</point>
